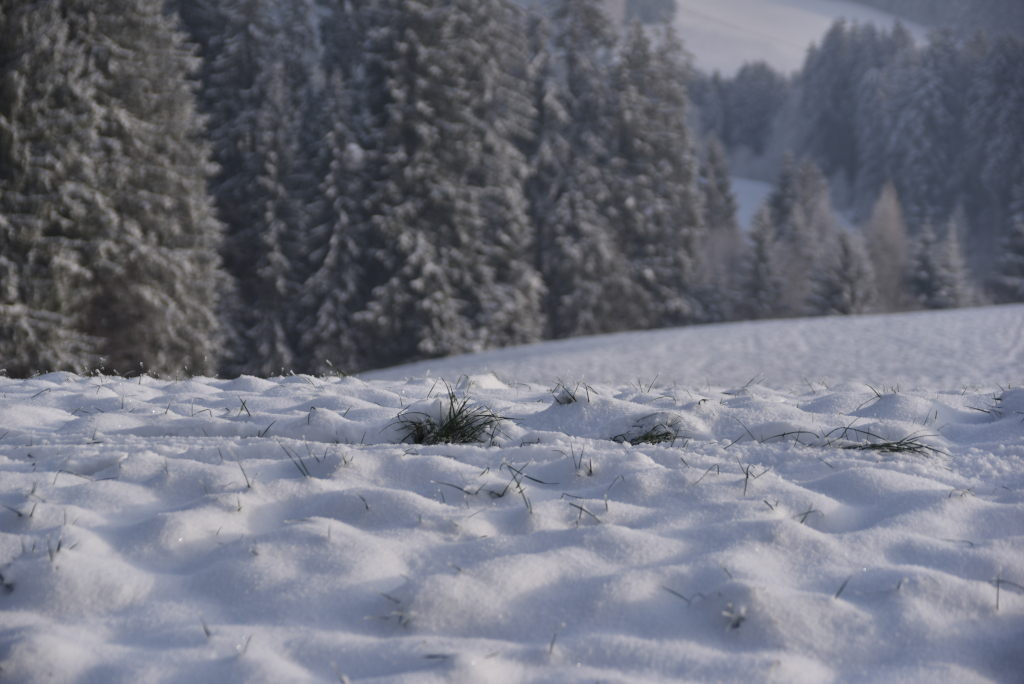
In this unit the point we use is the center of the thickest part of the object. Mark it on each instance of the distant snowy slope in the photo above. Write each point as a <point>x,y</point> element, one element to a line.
<point>725,34</point>
<point>749,195</point>
<point>922,350</point>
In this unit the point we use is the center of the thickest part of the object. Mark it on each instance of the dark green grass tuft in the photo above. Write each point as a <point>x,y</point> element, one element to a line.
<point>460,423</point>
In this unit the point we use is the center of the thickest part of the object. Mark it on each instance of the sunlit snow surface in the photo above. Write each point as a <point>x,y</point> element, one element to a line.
<point>255,530</point>
<point>725,34</point>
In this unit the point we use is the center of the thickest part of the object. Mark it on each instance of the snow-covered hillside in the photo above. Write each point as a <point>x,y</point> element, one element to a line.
<point>927,349</point>
<point>695,527</point>
<point>725,34</point>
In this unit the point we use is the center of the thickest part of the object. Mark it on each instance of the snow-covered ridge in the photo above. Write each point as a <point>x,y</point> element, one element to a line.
<point>210,530</point>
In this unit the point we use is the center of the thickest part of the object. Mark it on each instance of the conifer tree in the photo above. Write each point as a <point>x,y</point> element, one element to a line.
<point>719,200</point>
<point>720,251</point>
<point>887,243</point>
<point>121,240</point>
<point>801,213</point>
<point>261,84</point>
<point>843,282</point>
<point>938,277</point>
<point>49,204</point>
<point>656,203</point>
<point>995,132</point>
<point>447,234</point>
<point>924,151</point>
<point>156,273</point>
<point>1009,281</point>
<point>337,286</point>
<point>589,285</point>
<point>761,294</point>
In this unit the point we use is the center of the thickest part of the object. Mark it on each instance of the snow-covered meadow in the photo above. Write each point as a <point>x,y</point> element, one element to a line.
<point>707,525</point>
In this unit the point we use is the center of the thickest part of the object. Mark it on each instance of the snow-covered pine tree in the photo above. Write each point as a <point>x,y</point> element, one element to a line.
<point>261,85</point>
<point>801,214</point>
<point>938,277</point>
<point>995,134</point>
<point>1009,280</point>
<point>49,204</point>
<point>716,184</point>
<point>754,98</point>
<point>843,282</point>
<point>887,242</point>
<point>832,81</point>
<point>337,286</point>
<point>656,200</point>
<point>590,289</point>
<point>447,234</point>
<point>721,249</point>
<point>762,289</point>
<point>157,277</point>
<point>925,143</point>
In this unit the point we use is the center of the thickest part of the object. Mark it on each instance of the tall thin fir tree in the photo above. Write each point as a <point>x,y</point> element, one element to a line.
<point>156,271</point>
<point>336,288</point>
<point>761,292</point>
<point>720,252</point>
<point>720,205</point>
<point>590,289</point>
<point>262,81</point>
<point>448,237</point>
<point>995,136</point>
<point>49,202</point>
<point>657,204</point>
<point>843,282</point>
<point>887,244</point>
<point>1009,279</point>
<point>801,212</point>
<point>924,146</point>
<point>938,277</point>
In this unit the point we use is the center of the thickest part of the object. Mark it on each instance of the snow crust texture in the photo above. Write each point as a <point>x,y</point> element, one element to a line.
<point>276,530</point>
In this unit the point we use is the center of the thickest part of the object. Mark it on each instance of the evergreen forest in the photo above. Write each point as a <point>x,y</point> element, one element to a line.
<point>317,186</point>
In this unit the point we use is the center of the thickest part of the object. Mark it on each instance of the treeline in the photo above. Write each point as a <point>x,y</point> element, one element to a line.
<point>267,186</point>
<point>391,180</point>
<point>940,121</point>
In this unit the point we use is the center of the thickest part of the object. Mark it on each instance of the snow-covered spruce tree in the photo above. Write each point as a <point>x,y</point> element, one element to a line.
<point>762,289</point>
<point>754,97</point>
<point>656,199</point>
<point>49,205</point>
<point>1009,281</point>
<point>337,286</point>
<point>887,242</point>
<point>843,281</point>
<point>156,274</point>
<point>590,288</point>
<point>447,237</point>
<point>995,132</point>
<point>261,83</point>
<point>925,144</point>
<point>719,199</point>
<point>721,249</point>
<point>938,278</point>
<point>801,214</point>
<point>831,84</point>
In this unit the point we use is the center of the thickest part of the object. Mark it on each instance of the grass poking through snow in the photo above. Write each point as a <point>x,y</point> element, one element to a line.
<point>457,423</point>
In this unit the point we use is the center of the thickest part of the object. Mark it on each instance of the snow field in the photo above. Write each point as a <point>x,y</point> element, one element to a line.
<point>726,34</point>
<point>274,530</point>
